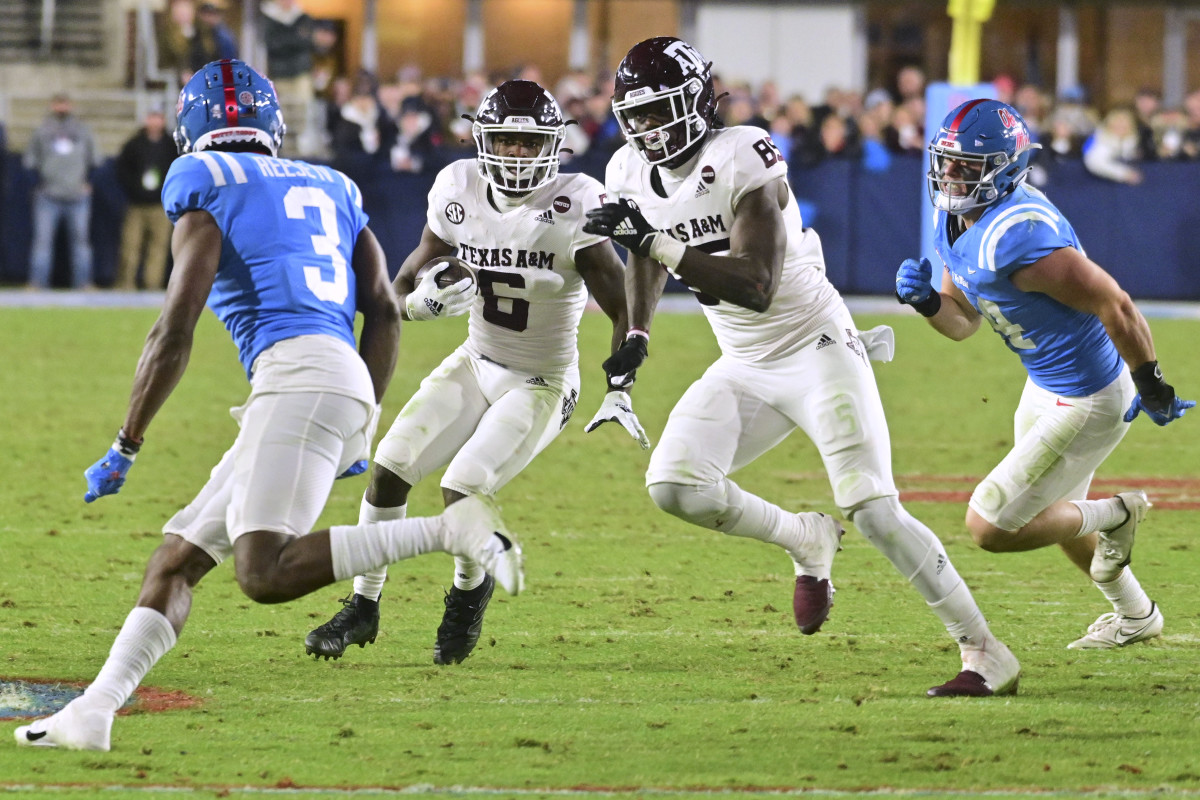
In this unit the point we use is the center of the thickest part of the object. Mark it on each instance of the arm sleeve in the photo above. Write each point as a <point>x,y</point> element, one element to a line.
<point>188,187</point>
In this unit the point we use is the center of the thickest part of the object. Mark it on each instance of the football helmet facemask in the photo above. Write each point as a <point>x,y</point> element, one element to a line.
<point>524,112</point>
<point>980,153</point>
<point>664,99</point>
<point>228,102</point>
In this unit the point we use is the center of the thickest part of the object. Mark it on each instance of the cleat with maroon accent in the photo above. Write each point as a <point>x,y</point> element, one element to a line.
<point>987,671</point>
<point>811,603</point>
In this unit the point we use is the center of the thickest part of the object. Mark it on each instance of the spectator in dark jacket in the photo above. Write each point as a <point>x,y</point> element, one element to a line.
<point>146,235</point>
<point>288,33</point>
<point>212,25</point>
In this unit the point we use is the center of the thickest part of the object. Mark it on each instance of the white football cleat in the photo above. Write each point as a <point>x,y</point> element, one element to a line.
<point>476,531</point>
<point>1113,630</point>
<point>812,542</point>
<point>1114,548</point>
<point>987,671</point>
<point>73,728</point>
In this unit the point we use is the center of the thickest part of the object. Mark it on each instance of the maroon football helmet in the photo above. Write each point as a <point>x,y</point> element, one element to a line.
<point>512,108</point>
<point>664,99</point>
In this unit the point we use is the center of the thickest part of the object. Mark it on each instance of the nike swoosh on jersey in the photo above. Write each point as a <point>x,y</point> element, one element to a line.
<point>1058,402</point>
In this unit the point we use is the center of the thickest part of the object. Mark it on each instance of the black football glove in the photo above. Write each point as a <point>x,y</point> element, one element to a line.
<point>622,365</point>
<point>1155,396</point>
<point>624,224</point>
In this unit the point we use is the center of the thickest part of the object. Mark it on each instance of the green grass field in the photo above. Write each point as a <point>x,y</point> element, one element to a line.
<point>647,658</point>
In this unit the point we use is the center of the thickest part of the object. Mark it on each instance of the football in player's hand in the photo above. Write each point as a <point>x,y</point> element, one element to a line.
<point>451,270</point>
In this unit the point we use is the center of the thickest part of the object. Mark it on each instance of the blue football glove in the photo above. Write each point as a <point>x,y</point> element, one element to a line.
<point>357,468</point>
<point>1155,396</point>
<point>107,475</point>
<point>914,281</point>
<point>1161,415</point>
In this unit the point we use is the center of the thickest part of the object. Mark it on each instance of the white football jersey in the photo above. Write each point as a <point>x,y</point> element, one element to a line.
<point>699,213</point>
<point>531,297</point>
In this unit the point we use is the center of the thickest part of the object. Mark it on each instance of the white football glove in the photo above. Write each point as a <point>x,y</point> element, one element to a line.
<point>617,407</point>
<point>426,301</point>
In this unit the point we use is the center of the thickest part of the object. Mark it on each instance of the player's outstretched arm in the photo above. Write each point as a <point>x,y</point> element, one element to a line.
<point>376,301</point>
<point>948,311</point>
<point>602,272</point>
<point>196,248</point>
<point>1075,280</point>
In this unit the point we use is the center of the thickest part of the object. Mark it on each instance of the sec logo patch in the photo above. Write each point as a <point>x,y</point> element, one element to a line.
<point>455,213</point>
<point>707,174</point>
<point>562,204</point>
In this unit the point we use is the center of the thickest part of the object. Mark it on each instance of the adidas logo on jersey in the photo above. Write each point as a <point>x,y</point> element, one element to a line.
<point>545,216</point>
<point>824,341</point>
<point>537,380</point>
<point>701,190</point>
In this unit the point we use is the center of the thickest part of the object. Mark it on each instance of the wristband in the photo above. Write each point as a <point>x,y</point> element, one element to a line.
<point>126,446</point>
<point>667,251</point>
<point>1148,379</point>
<point>928,307</point>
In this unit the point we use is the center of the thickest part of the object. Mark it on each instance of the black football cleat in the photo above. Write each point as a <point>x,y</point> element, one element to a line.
<point>462,622</point>
<point>357,623</point>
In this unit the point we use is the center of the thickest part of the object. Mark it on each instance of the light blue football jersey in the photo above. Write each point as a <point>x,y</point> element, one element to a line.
<point>288,230</point>
<point>1065,351</point>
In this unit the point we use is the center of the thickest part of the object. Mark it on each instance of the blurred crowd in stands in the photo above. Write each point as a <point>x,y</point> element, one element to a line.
<point>411,122</point>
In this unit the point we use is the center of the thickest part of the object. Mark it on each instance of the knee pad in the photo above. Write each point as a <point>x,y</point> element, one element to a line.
<point>706,506</point>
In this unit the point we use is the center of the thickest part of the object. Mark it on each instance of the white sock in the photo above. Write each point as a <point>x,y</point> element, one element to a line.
<point>918,555</point>
<point>1100,515</point>
<point>467,573</point>
<point>145,637</point>
<point>356,549</point>
<point>1127,596</point>
<point>758,519</point>
<point>962,618</point>
<point>370,584</point>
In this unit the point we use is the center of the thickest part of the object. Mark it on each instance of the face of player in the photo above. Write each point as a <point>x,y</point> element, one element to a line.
<point>656,117</point>
<point>518,145</point>
<point>958,177</point>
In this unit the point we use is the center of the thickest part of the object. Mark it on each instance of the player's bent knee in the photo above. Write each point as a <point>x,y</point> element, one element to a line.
<point>178,559</point>
<point>986,535</point>
<point>386,489</point>
<point>257,567</point>
<point>699,505</point>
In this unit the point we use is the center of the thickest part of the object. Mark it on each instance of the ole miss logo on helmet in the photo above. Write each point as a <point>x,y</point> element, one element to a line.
<point>1020,134</point>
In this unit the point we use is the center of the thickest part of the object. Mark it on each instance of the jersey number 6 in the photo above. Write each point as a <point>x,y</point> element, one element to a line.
<point>516,318</point>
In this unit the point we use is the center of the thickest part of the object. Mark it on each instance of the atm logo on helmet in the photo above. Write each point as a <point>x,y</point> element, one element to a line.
<point>1010,123</point>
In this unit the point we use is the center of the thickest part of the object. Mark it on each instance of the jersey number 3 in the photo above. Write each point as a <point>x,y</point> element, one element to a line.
<point>324,244</point>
